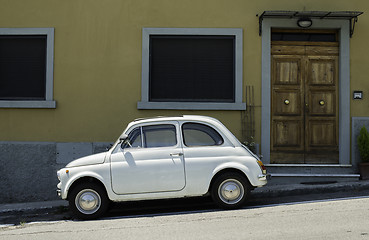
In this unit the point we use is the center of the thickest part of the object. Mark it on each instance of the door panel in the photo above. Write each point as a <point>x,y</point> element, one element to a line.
<point>322,102</point>
<point>322,71</point>
<point>138,170</point>
<point>321,50</point>
<point>322,134</point>
<point>304,121</point>
<point>287,102</point>
<point>287,157</point>
<point>322,141</point>
<point>287,50</point>
<point>321,118</point>
<point>287,70</point>
<point>287,135</point>
<point>287,141</point>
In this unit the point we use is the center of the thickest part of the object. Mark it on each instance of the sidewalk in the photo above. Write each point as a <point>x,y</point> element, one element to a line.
<point>11,207</point>
<point>264,192</point>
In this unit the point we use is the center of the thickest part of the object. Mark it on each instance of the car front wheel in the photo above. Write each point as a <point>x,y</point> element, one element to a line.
<point>230,190</point>
<point>88,201</point>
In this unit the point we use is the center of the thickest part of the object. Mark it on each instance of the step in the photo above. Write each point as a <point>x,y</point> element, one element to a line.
<point>314,175</point>
<point>310,178</point>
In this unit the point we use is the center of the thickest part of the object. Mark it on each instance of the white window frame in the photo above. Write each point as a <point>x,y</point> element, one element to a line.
<point>146,104</point>
<point>48,102</point>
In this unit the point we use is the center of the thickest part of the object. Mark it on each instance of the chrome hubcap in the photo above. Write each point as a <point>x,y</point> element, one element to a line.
<point>231,191</point>
<point>88,201</point>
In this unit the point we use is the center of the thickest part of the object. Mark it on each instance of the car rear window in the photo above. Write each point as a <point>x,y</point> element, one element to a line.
<point>196,134</point>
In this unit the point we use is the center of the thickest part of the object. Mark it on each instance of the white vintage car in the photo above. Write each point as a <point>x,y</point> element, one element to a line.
<point>163,157</point>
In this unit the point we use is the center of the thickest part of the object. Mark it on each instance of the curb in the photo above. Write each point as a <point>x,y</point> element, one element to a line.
<point>302,189</point>
<point>29,206</point>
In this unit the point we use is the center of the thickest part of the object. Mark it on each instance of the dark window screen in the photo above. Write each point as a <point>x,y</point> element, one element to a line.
<point>192,68</point>
<point>22,67</point>
<point>304,37</point>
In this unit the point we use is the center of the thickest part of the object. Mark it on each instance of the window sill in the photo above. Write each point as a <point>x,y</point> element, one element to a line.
<point>191,106</point>
<point>27,104</point>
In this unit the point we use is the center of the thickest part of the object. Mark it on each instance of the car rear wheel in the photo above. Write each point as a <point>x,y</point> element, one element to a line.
<point>230,190</point>
<point>88,201</point>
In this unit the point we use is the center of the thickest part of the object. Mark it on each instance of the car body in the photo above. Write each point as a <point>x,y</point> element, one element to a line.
<point>163,157</point>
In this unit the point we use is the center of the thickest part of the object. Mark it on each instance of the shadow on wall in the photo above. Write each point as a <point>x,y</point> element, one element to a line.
<point>357,124</point>
<point>28,169</point>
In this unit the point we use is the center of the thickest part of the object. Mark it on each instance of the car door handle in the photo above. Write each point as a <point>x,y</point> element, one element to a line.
<point>176,154</point>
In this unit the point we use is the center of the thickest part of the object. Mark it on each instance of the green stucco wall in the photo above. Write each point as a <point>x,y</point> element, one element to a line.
<point>97,60</point>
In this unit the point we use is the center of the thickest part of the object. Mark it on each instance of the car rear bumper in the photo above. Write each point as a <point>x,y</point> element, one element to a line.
<point>263,179</point>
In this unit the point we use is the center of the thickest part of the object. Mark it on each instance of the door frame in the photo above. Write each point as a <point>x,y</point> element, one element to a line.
<point>344,80</point>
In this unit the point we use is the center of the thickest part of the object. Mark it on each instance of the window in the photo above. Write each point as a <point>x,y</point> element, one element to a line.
<point>192,69</point>
<point>153,136</point>
<point>195,134</point>
<point>135,139</point>
<point>296,36</point>
<point>159,136</point>
<point>26,68</point>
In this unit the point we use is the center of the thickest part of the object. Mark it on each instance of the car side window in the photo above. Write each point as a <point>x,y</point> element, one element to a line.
<point>163,135</point>
<point>134,139</point>
<point>195,134</point>
<point>159,135</point>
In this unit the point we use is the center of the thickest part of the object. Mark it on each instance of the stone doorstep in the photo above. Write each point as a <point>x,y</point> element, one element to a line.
<point>314,175</point>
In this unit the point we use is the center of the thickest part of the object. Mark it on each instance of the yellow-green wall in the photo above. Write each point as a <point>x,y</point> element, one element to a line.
<point>97,63</point>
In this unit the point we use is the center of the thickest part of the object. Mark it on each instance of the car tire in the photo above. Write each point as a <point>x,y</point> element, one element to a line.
<point>230,190</point>
<point>88,201</point>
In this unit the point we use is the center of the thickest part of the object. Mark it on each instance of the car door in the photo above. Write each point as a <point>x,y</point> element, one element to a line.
<point>204,149</point>
<point>150,161</point>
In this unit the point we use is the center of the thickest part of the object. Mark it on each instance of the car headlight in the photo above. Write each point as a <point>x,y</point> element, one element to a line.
<point>58,173</point>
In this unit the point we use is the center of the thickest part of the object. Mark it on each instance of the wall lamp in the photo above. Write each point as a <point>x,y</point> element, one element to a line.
<point>304,22</point>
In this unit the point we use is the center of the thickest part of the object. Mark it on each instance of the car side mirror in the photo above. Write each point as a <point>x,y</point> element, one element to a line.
<point>123,138</point>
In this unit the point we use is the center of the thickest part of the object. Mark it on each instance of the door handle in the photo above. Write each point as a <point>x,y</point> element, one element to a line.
<point>176,154</point>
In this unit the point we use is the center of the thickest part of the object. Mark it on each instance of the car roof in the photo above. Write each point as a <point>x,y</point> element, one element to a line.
<point>176,118</point>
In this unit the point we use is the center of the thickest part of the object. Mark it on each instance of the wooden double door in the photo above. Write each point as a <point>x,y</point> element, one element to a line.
<point>304,107</point>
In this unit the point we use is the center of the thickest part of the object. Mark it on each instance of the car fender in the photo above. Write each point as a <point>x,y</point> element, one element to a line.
<point>232,165</point>
<point>80,175</point>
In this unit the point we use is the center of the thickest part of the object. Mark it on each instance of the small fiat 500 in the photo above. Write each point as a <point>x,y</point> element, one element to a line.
<point>161,158</point>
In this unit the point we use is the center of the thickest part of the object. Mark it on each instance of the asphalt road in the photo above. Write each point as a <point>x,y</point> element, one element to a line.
<point>164,207</point>
<point>329,219</point>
